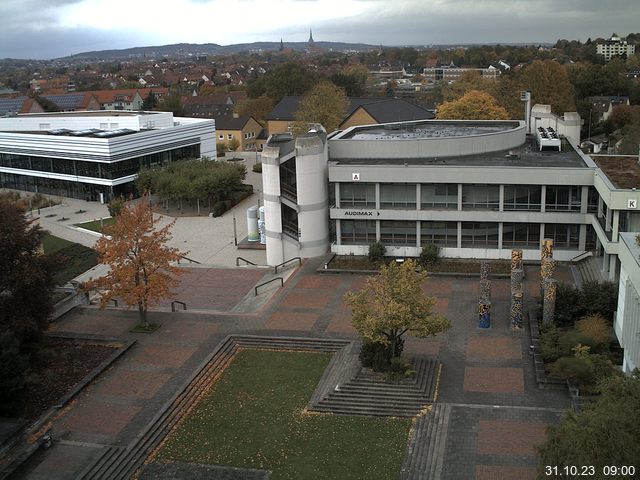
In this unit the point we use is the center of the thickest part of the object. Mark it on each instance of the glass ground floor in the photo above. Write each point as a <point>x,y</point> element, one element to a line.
<point>453,234</point>
<point>65,188</point>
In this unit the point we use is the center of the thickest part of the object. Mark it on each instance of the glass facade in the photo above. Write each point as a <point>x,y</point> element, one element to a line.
<point>361,195</point>
<point>480,197</point>
<point>400,233</point>
<point>522,197</point>
<point>439,196</point>
<point>521,235</point>
<point>443,234</point>
<point>357,232</point>
<point>398,195</point>
<point>565,237</point>
<point>563,198</point>
<point>480,235</point>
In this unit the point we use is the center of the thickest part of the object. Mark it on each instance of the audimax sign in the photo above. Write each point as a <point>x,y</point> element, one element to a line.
<point>361,213</point>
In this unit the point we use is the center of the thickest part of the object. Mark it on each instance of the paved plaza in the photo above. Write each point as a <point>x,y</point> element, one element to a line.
<point>496,412</point>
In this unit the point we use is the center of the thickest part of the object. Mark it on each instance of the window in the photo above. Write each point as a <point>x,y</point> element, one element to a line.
<point>592,200</point>
<point>563,198</point>
<point>398,233</point>
<point>480,235</point>
<point>443,234</point>
<point>480,197</point>
<point>357,232</point>
<point>522,197</point>
<point>220,137</point>
<point>357,195</point>
<point>398,195</point>
<point>439,196</point>
<point>521,235</point>
<point>229,136</point>
<point>564,236</point>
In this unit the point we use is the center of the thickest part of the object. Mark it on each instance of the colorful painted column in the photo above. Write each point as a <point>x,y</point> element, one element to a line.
<point>549,302</point>
<point>516,310</point>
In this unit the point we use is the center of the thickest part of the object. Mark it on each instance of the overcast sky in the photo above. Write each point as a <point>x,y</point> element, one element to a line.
<point>56,28</point>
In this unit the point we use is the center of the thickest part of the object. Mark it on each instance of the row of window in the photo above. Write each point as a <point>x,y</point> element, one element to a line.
<point>247,136</point>
<point>473,234</point>
<point>474,197</point>
<point>112,170</point>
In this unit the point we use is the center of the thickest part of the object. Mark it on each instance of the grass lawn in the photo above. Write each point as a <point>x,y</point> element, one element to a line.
<point>254,417</point>
<point>70,259</point>
<point>96,225</point>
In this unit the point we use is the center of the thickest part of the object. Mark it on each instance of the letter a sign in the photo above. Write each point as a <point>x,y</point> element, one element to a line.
<point>632,203</point>
<point>355,177</point>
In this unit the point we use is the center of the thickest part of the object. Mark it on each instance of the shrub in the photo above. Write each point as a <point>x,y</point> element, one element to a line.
<point>549,347</point>
<point>576,370</point>
<point>115,206</point>
<point>377,251</point>
<point>600,298</point>
<point>430,254</point>
<point>257,167</point>
<point>221,147</point>
<point>399,368</point>
<point>569,305</point>
<point>571,339</point>
<point>377,356</point>
<point>596,327</point>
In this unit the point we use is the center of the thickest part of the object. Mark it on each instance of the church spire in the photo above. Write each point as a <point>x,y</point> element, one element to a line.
<point>281,45</point>
<point>310,38</point>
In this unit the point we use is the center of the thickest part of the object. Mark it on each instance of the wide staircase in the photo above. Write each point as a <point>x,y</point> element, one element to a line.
<point>589,269</point>
<point>364,392</point>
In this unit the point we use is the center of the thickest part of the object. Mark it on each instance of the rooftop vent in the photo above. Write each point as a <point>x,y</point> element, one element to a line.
<point>548,138</point>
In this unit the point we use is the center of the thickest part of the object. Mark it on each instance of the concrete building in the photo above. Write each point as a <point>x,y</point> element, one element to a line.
<point>451,73</point>
<point>477,189</point>
<point>95,155</point>
<point>613,47</point>
<point>627,319</point>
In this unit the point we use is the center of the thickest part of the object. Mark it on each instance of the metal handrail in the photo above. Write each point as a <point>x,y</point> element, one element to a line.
<point>173,305</point>
<point>188,259</point>
<point>245,260</point>
<point>267,282</point>
<point>577,258</point>
<point>275,269</point>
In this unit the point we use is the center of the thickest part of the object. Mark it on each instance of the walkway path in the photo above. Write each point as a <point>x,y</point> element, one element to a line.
<point>494,413</point>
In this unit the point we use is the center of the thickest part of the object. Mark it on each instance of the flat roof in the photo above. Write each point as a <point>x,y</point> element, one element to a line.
<point>428,129</point>
<point>91,113</point>
<point>527,155</point>
<point>623,171</point>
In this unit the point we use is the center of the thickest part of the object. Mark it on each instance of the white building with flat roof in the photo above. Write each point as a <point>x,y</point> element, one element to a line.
<point>95,155</point>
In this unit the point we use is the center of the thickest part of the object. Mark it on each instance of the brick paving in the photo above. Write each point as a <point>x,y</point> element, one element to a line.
<point>497,412</point>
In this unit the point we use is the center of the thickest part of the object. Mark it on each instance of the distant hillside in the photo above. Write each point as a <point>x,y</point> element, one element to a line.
<point>190,49</point>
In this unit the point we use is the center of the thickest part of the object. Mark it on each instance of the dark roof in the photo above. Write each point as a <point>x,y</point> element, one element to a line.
<point>383,109</point>
<point>396,110</point>
<point>67,101</point>
<point>8,105</point>
<point>624,172</point>
<point>229,122</point>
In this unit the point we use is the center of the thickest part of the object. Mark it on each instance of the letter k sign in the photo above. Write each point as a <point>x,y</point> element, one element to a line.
<point>632,203</point>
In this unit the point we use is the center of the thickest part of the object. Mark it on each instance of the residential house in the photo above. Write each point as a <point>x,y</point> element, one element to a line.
<point>613,47</point>
<point>243,128</point>
<point>212,106</point>
<point>601,108</point>
<point>74,102</point>
<point>361,111</point>
<point>12,106</point>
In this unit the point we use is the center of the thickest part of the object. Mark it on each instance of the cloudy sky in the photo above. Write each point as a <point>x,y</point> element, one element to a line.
<point>55,28</point>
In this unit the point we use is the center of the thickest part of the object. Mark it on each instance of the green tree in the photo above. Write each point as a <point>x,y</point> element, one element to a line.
<point>257,108</point>
<point>150,101</point>
<point>286,79</point>
<point>173,103</point>
<point>234,144</point>
<point>549,84</point>
<point>325,104</point>
<point>606,432</point>
<point>25,277</point>
<point>13,367</point>
<point>473,105</point>
<point>392,303</point>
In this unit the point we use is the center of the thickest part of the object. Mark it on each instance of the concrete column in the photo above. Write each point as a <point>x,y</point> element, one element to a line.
<point>418,197</point>
<point>605,263</point>
<point>582,239</point>
<point>613,264</point>
<point>272,205</point>
<point>378,198</point>
<point>607,222</point>
<point>459,233</point>
<point>500,229</point>
<point>543,201</point>
<point>337,194</point>
<point>501,204</point>
<point>459,198</point>
<point>418,239</point>
<point>541,235</point>
<point>377,230</point>
<point>338,231</point>
<point>615,221</point>
<point>584,199</point>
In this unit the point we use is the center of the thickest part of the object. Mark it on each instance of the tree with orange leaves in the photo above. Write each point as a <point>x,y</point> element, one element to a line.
<point>142,270</point>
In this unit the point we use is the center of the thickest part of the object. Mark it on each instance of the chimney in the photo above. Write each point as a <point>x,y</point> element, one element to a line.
<point>235,115</point>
